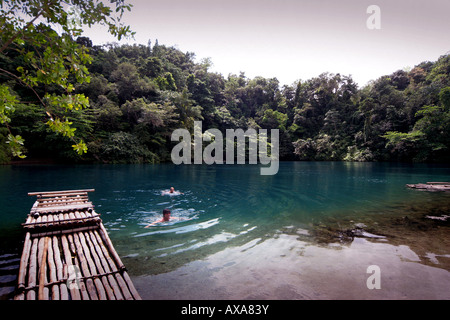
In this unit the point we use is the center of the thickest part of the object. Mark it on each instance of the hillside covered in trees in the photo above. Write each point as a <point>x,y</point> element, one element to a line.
<point>139,94</point>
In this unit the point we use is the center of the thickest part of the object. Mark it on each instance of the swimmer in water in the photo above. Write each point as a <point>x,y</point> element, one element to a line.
<point>171,192</point>
<point>166,217</point>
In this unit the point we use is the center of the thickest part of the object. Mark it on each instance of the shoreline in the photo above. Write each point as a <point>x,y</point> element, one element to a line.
<point>29,161</point>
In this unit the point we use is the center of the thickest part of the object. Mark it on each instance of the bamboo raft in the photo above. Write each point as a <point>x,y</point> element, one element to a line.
<point>431,186</point>
<point>67,253</point>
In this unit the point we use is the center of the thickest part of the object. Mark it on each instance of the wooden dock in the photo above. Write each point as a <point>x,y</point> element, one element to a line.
<point>431,186</point>
<point>67,253</point>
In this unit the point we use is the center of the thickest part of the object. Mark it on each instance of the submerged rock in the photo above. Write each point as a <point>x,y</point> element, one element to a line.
<point>329,234</point>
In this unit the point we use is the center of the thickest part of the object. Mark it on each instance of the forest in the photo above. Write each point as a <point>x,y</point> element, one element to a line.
<point>139,94</point>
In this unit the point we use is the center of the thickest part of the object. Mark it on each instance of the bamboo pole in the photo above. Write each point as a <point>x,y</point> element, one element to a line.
<point>85,268</point>
<point>42,270</point>
<point>57,204</point>
<point>32,270</point>
<point>126,288</point>
<point>114,266</point>
<point>92,267</point>
<point>83,285</point>
<point>87,254</point>
<point>24,261</point>
<point>50,220</point>
<point>125,283</point>
<point>74,290</point>
<point>100,248</point>
<point>98,264</point>
<point>109,265</point>
<point>58,262</point>
<point>61,232</point>
<point>31,212</point>
<point>78,216</point>
<point>64,192</point>
<point>56,219</point>
<point>59,269</point>
<point>131,287</point>
<point>57,209</point>
<point>20,296</point>
<point>29,219</point>
<point>109,245</point>
<point>123,287</point>
<point>52,271</point>
<point>44,201</point>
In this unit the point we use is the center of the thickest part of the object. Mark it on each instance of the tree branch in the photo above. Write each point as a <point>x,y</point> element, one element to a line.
<point>24,83</point>
<point>7,43</point>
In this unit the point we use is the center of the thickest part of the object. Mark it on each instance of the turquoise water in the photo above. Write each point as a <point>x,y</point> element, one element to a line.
<point>221,206</point>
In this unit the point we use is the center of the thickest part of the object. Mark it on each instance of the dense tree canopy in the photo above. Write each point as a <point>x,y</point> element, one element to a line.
<point>41,63</point>
<point>126,100</point>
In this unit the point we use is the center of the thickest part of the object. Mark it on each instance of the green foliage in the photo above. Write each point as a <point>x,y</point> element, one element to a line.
<point>429,139</point>
<point>7,103</point>
<point>47,62</point>
<point>123,147</point>
<point>274,119</point>
<point>63,128</point>
<point>16,145</point>
<point>5,153</point>
<point>166,82</point>
<point>80,148</point>
<point>394,137</point>
<point>444,97</point>
<point>355,154</point>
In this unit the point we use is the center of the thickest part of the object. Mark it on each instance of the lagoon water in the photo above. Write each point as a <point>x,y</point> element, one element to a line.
<point>240,235</point>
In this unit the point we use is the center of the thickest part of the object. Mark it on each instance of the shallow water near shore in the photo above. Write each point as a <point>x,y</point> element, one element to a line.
<point>308,232</point>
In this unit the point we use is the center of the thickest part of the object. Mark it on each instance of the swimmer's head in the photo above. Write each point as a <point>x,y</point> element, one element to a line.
<point>172,189</point>
<point>166,214</point>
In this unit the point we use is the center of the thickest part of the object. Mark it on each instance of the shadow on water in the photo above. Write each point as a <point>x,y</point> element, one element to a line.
<point>10,252</point>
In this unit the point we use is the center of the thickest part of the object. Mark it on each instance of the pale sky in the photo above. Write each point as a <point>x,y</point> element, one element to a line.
<point>294,39</point>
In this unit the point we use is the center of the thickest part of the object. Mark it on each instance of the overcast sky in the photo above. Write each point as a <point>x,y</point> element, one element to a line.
<point>294,39</point>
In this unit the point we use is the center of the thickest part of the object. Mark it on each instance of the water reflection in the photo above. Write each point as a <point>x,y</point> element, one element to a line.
<point>284,267</point>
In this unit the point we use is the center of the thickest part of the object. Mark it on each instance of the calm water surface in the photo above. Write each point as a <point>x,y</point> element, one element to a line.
<point>234,225</point>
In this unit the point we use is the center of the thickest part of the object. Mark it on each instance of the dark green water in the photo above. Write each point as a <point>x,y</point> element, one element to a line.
<point>222,206</point>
